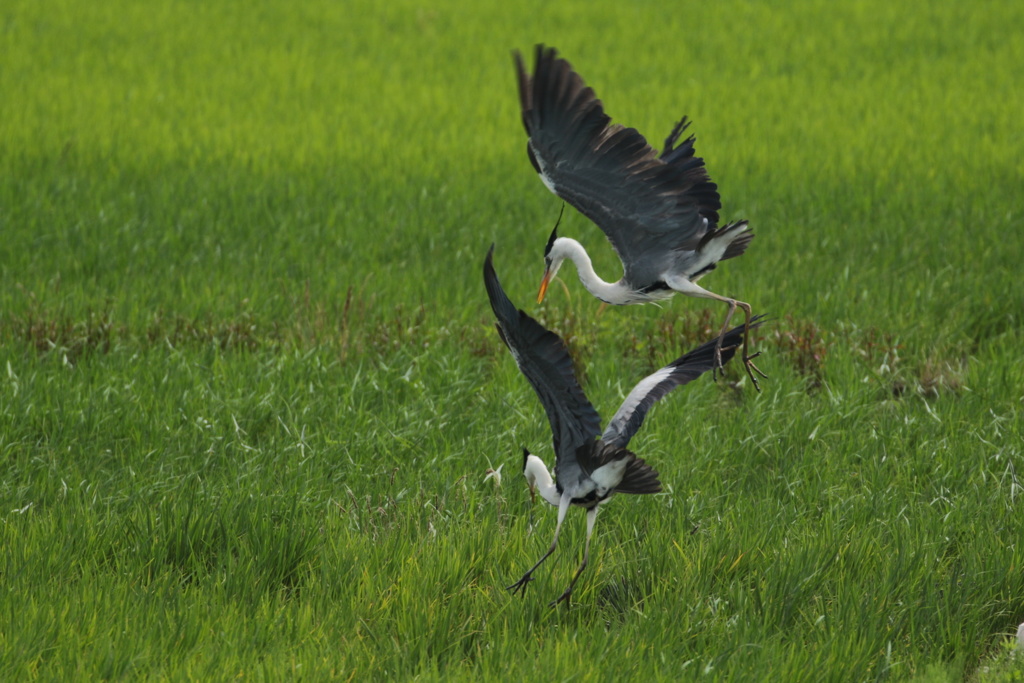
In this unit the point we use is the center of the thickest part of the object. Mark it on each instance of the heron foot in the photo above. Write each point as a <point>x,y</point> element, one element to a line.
<point>564,597</point>
<point>717,368</point>
<point>748,363</point>
<point>521,584</point>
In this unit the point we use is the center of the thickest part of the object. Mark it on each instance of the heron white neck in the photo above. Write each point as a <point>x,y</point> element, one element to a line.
<point>537,475</point>
<point>609,292</point>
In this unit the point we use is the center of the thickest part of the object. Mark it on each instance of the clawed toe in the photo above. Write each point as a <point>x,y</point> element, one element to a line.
<point>520,585</point>
<point>716,366</point>
<point>564,597</point>
<point>748,363</point>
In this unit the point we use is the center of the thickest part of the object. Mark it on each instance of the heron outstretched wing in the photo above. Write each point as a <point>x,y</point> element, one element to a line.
<point>646,204</point>
<point>630,415</point>
<point>542,357</point>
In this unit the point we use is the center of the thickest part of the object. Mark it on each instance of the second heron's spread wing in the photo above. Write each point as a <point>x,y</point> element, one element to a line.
<point>542,357</point>
<point>645,204</point>
<point>630,415</point>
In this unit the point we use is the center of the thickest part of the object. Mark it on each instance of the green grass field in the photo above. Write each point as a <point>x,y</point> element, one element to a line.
<point>250,385</point>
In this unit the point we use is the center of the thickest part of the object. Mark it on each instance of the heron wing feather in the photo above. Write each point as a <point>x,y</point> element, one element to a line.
<point>545,362</point>
<point>633,475</point>
<point>631,414</point>
<point>647,205</point>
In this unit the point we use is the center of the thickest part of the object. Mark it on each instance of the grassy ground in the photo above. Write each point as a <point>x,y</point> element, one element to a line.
<point>249,387</point>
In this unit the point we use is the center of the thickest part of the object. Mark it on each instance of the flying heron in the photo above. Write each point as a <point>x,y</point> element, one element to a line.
<point>660,212</point>
<point>588,468</point>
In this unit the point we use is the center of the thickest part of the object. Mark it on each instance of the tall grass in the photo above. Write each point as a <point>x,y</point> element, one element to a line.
<point>249,385</point>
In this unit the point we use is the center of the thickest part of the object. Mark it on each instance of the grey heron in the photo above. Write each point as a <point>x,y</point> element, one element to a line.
<point>590,465</point>
<point>660,211</point>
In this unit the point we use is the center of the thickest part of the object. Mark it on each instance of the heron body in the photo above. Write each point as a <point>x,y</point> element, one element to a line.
<point>659,211</point>
<point>591,465</point>
<point>673,271</point>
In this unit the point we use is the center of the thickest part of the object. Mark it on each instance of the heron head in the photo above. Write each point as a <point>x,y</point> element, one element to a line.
<point>551,242</point>
<point>552,261</point>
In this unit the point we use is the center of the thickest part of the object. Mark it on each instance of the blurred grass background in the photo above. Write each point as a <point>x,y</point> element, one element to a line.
<point>250,386</point>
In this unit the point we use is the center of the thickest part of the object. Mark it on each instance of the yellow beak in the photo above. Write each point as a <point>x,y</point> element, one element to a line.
<point>544,285</point>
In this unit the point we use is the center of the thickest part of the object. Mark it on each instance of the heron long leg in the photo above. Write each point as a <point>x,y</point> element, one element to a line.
<point>717,367</point>
<point>563,507</point>
<point>591,518</point>
<point>685,286</point>
<point>748,360</point>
